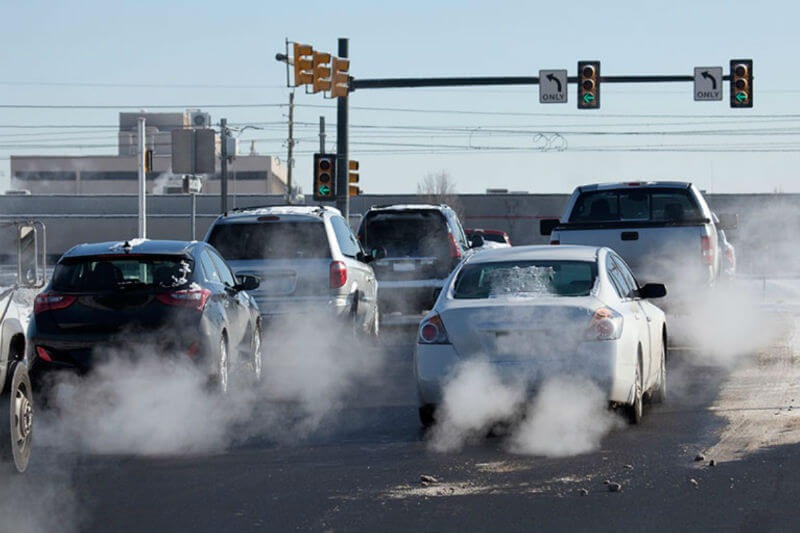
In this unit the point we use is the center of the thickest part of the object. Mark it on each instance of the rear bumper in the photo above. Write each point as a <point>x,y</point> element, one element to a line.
<point>408,297</point>
<point>600,362</point>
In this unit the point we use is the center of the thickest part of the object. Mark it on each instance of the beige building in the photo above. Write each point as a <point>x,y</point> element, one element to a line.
<point>118,174</point>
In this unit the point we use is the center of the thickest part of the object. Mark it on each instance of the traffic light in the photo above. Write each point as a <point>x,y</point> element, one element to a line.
<point>303,66</point>
<point>324,176</point>
<point>588,84</point>
<point>322,72</point>
<point>741,83</point>
<point>352,177</point>
<point>340,78</point>
<point>148,161</point>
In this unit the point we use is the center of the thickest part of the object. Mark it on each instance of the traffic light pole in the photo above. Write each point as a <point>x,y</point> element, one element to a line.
<point>342,117</point>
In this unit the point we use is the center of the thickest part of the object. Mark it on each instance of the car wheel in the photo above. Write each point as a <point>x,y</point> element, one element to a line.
<point>635,410</point>
<point>427,415</point>
<point>660,393</point>
<point>220,378</point>
<point>16,431</point>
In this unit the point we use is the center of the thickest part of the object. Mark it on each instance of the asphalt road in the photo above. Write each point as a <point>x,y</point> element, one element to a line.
<point>720,455</point>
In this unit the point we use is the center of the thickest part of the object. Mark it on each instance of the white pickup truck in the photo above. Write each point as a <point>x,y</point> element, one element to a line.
<point>664,230</point>
<point>24,244</point>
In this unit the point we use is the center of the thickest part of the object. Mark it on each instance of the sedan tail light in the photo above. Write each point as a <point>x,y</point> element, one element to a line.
<point>338,274</point>
<point>194,298</point>
<point>605,325</point>
<point>431,331</point>
<point>51,301</point>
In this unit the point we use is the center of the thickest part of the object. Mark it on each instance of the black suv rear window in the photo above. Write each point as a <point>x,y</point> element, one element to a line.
<point>406,233</point>
<point>271,240</point>
<point>90,274</point>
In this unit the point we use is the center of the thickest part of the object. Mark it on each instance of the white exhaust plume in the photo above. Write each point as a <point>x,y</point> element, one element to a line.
<point>153,404</point>
<point>474,400</point>
<point>569,416</point>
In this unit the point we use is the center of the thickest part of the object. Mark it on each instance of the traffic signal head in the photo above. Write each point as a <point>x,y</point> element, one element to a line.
<point>340,77</point>
<point>588,84</point>
<point>352,177</point>
<point>303,67</point>
<point>324,177</point>
<point>741,83</point>
<point>322,72</point>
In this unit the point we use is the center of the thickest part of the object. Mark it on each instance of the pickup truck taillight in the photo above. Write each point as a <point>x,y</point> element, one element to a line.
<point>706,250</point>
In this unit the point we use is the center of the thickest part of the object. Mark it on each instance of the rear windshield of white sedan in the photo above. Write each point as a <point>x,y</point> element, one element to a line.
<point>525,278</point>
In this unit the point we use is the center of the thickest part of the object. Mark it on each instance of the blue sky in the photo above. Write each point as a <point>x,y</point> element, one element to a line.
<point>220,57</point>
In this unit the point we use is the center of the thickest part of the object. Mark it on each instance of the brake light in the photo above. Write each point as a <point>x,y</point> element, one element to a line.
<point>706,250</point>
<point>338,274</point>
<point>50,301</point>
<point>431,331</point>
<point>194,298</point>
<point>605,325</point>
<point>555,242</point>
<point>455,253</point>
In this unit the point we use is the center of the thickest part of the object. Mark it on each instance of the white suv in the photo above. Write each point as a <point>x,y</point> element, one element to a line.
<point>307,258</point>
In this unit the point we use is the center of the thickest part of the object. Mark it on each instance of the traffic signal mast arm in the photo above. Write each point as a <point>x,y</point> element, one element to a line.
<point>399,83</point>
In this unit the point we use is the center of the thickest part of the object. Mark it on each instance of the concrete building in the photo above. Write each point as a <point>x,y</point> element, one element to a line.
<point>117,174</point>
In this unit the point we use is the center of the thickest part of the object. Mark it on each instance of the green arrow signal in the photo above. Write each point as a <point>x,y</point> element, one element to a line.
<point>588,97</point>
<point>324,190</point>
<point>741,97</point>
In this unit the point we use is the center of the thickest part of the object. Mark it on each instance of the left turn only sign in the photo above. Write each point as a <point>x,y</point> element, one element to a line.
<point>553,86</point>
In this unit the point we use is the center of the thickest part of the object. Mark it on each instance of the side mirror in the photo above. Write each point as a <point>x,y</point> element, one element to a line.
<point>377,253</point>
<point>31,255</point>
<point>247,282</point>
<point>476,240</point>
<point>728,220</point>
<point>653,290</point>
<point>547,225</point>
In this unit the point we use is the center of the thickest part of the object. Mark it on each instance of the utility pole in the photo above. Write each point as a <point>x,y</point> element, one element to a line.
<point>342,184</point>
<point>140,153</point>
<point>290,150</point>
<point>223,182</point>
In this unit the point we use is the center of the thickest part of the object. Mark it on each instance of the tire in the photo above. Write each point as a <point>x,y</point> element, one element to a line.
<point>16,426</point>
<point>220,379</point>
<point>634,411</point>
<point>427,415</point>
<point>659,394</point>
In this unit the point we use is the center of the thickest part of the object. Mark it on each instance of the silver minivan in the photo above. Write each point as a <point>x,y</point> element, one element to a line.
<point>307,258</point>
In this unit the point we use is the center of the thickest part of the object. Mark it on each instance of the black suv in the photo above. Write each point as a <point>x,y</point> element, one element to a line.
<point>422,244</point>
<point>105,298</point>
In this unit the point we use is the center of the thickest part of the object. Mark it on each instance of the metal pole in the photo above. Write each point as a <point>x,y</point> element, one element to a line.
<point>322,135</point>
<point>290,148</point>
<point>140,155</point>
<point>223,183</point>
<point>342,189</point>
<point>194,215</point>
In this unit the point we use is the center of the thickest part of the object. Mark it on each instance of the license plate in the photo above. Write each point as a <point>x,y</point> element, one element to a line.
<point>404,266</point>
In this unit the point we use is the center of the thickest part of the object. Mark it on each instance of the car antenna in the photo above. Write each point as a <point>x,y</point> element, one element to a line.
<point>126,247</point>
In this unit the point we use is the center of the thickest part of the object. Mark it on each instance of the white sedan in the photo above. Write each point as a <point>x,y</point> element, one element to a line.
<point>538,311</point>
